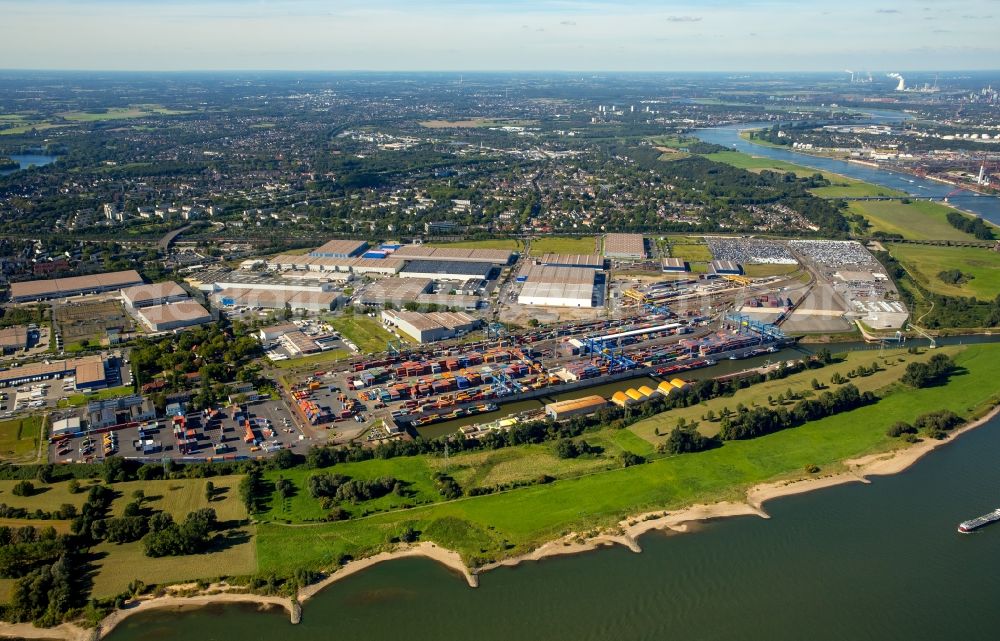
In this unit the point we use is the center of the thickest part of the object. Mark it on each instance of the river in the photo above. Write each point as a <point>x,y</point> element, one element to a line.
<point>729,136</point>
<point>861,562</point>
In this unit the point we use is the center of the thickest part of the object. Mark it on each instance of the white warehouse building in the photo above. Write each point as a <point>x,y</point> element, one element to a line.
<point>559,287</point>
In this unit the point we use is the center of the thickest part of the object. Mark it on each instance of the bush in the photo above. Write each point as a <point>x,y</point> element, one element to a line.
<point>686,439</point>
<point>935,370</point>
<point>628,459</point>
<point>937,422</point>
<point>170,539</point>
<point>899,428</point>
<point>23,488</point>
<point>447,486</point>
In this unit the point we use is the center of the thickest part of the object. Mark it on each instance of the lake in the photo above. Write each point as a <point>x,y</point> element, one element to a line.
<point>27,160</point>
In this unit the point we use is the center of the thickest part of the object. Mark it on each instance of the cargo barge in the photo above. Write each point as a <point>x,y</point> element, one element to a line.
<point>966,527</point>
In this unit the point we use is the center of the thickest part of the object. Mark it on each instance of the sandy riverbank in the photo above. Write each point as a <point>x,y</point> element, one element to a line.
<point>629,531</point>
<point>447,558</point>
<point>626,534</point>
<point>187,602</point>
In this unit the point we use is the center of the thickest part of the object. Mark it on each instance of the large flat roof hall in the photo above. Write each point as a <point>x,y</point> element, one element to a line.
<point>32,290</point>
<point>625,246</point>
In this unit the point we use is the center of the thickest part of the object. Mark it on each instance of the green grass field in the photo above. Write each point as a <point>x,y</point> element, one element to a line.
<point>843,187</point>
<point>494,243</point>
<point>62,527</point>
<point>689,249</point>
<point>510,465</point>
<point>765,270</point>
<point>121,113</point>
<point>563,245</point>
<point>925,262</point>
<point>672,147</point>
<point>79,400</point>
<point>893,363</point>
<point>19,439</point>
<point>511,522</point>
<point>840,186</point>
<point>118,565</point>
<point>919,220</point>
<point>313,360</point>
<point>759,163</point>
<point>673,142</point>
<point>365,332</point>
<point>414,471</point>
<point>178,497</point>
<point>25,128</point>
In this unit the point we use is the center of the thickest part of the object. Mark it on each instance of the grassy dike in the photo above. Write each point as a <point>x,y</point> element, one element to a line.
<point>506,524</point>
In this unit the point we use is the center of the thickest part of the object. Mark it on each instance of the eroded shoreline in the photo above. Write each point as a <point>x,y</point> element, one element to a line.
<point>626,534</point>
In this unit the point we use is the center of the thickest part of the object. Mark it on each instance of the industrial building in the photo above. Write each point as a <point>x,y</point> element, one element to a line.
<point>340,249</point>
<point>625,246</point>
<point>464,302</point>
<point>724,267</point>
<point>272,333</point>
<point>33,290</point>
<point>120,411</point>
<point>666,388</point>
<point>423,252</point>
<point>310,301</point>
<point>332,267</point>
<point>268,291</point>
<point>558,286</point>
<point>90,372</point>
<point>298,344</point>
<point>163,318</point>
<point>430,327</point>
<point>448,270</point>
<point>671,265</point>
<point>397,291</point>
<point>155,294</point>
<point>291,337</point>
<point>590,261</point>
<point>64,426</point>
<point>577,407</point>
<point>13,339</point>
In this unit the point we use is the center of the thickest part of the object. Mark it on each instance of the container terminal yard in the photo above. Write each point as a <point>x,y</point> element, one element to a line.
<point>408,391</point>
<point>643,327</point>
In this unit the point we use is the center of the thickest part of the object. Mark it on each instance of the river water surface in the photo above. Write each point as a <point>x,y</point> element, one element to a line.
<point>860,562</point>
<point>986,206</point>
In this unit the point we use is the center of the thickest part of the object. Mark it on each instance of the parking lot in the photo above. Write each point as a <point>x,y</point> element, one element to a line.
<point>202,436</point>
<point>326,396</point>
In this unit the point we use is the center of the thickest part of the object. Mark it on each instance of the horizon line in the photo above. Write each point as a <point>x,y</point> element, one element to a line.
<point>496,70</point>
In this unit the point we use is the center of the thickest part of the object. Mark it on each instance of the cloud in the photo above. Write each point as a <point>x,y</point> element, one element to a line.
<point>888,11</point>
<point>568,23</point>
<point>683,18</point>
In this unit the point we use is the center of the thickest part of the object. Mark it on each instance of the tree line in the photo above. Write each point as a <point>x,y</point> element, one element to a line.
<point>760,421</point>
<point>970,225</point>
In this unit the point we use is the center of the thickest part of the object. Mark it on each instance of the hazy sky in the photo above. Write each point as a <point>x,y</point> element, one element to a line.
<point>507,35</point>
